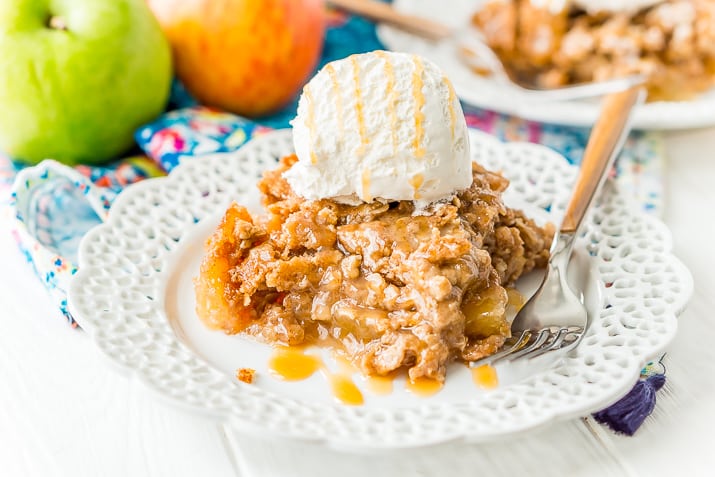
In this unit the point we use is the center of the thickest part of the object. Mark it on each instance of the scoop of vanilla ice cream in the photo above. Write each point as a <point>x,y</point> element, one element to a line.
<point>380,125</point>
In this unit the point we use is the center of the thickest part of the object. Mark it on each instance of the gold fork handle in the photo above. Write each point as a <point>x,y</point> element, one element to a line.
<point>384,13</point>
<point>607,137</point>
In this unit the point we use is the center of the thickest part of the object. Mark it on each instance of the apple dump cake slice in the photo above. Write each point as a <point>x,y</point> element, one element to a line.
<point>390,286</point>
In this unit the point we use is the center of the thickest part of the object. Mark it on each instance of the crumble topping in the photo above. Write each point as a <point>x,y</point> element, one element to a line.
<point>390,288</point>
<point>246,375</point>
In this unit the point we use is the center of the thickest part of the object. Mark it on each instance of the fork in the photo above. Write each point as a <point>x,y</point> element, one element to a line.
<point>473,51</point>
<point>555,318</point>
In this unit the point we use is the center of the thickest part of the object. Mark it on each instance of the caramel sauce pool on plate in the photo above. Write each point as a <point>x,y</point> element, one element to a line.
<point>293,364</point>
<point>485,376</point>
<point>423,387</point>
<point>379,385</point>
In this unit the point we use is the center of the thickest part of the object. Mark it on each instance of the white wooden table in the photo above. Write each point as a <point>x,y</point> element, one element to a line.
<point>64,411</point>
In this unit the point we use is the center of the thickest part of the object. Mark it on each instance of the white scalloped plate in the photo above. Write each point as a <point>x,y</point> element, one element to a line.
<point>133,294</point>
<point>492,95</point>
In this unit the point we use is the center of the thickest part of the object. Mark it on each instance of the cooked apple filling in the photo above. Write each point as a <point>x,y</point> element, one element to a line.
<point>392,287</point>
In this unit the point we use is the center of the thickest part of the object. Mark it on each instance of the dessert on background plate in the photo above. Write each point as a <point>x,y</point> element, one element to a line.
<point>380,237</point>
<point>553,43</point>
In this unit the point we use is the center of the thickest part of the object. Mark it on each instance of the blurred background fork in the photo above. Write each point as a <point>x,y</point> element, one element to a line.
<point>474,52</point>
<point>555,317</point>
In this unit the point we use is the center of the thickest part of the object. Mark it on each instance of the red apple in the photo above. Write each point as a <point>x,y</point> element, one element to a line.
<point>246,56</point>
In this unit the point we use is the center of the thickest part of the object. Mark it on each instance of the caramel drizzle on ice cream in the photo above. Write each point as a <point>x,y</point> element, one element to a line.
<point>366,196</point>
<point>310,122</point>
<point>452,112</point>
<point>358,104</point>
<point>338,99</point>
<point>392,96</point>
<point>416,182</point>
<point>419,98</point>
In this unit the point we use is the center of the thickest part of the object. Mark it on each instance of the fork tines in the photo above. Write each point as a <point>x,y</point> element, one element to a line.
<point>533,343</point>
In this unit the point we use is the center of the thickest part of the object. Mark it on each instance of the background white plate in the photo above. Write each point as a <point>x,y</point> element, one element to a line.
<point>489,94</point>
<point>135,270</point>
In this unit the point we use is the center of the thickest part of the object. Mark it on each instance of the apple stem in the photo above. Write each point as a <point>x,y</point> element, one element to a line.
<point>57,23</point>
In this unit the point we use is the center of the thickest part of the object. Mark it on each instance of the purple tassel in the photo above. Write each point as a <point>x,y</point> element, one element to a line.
<point>627,415</point>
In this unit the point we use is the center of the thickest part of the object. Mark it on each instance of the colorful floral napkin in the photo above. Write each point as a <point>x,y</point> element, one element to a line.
<point>56,205</point>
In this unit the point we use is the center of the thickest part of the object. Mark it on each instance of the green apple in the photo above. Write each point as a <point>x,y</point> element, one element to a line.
<point>77,77</point>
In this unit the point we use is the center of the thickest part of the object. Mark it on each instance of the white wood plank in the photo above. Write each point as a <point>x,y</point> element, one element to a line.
<point>63,411</point>
<point>563,449</point>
